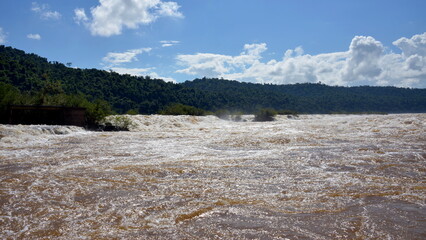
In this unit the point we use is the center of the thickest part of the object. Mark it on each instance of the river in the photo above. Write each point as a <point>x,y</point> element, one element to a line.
<point>182,177</point>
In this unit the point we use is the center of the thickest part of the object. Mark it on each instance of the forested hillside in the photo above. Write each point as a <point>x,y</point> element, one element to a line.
<point>320,98</point>
<point>30,79</point>
<point>32,74</point>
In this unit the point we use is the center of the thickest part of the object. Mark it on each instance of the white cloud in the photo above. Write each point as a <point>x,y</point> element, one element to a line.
<point>2,36</point>
<point>365,63</point>
<point>114,62</point>
<point>254,49</point>
<point>210,65</point>
<point>169,9</point>
<point>114,58</point>
<point>111,16</point>
<point>34,36</point>
<point>80,16</point>
<point>142,72</point>
<point>205,64</point>
<point>131,71</point>
<point>45,12</point>
<point>166,79</point>
<point>413,46</point>
<point>169,43</point>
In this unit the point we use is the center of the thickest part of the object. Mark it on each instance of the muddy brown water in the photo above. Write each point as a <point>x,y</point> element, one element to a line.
<point>315,177</point>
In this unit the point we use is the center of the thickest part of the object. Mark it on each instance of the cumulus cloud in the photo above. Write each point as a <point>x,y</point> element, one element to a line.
<point>415,62</point>
<point>117,58</point>
<point>2,36</point>
<point>364,63</point>
<point>111,16</point>
<point>254,49</point>
<point>142,72</point>
<point>115,61</point>
<point>168,43</point>
<point>44,11</point>
<point>204,64</point>
<point>413,46</point>
<point>211,65</point>
<point>34,36</point>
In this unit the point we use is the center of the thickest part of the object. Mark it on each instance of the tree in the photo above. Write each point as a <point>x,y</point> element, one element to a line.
<point>264,115</point>
<point>180,109</point>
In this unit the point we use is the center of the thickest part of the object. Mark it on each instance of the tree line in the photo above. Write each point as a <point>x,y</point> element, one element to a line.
<point>31,79</point>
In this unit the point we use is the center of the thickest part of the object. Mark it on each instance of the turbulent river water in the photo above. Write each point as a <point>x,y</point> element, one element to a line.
<point>312,177</point>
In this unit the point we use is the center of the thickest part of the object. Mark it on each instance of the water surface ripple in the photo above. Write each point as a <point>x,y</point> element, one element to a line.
<point>315,177</point>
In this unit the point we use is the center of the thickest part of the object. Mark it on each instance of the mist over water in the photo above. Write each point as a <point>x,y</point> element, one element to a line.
<point>181,177</point>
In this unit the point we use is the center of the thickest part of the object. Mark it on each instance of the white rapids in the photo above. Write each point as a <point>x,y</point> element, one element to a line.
<point>183,177</point>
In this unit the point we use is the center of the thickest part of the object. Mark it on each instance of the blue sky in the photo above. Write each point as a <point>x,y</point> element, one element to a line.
<point>348,43</point>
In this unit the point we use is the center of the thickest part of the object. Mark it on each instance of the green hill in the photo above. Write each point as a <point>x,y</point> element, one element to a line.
<point>318,98</point>
<point>30,79</point>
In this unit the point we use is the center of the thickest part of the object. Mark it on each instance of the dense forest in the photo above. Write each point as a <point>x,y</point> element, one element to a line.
<point>31,79</point>
<point>315,98</point>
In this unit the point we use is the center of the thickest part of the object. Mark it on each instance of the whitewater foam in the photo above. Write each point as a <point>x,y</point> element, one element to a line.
<point>179,177</point>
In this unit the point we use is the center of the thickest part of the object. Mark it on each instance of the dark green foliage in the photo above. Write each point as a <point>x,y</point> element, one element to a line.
<point>287,112</point>
<point>233,95</point>
<point>132,112</point>
<point>116,123</point>
<point>311,98</point>
<point>37,81</point>
<point>264,115</point>
<point>32,74</point>
<point>9,95</point>
<point>97,111</point>
<point>180,109</point>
